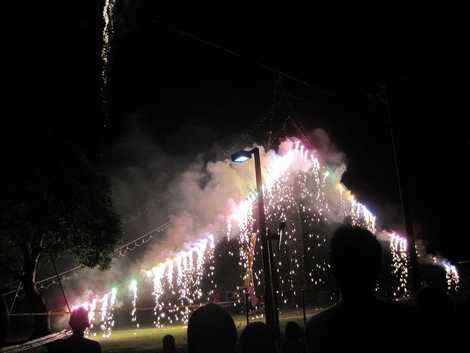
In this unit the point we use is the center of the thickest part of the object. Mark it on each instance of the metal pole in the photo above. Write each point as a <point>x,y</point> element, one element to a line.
<point>247,313</point>
<point>275,285</point>
<point>268,289</point>
<point>303,307</point>
<point>60,283</point>
<point>16,296</point>
<point>405,209</point>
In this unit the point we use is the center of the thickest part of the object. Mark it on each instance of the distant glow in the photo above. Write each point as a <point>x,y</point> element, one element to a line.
<point>452,274</point>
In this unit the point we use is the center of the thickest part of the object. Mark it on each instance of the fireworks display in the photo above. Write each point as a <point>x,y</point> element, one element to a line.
<point>300,192</point>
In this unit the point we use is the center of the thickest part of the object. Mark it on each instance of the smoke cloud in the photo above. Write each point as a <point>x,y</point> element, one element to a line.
<point>194,193</point>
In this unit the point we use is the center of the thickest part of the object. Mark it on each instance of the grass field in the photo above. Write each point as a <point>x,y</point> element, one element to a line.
<point>150,339</point>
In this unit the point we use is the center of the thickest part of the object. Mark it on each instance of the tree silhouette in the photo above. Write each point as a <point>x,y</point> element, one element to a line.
<point>53,201</point>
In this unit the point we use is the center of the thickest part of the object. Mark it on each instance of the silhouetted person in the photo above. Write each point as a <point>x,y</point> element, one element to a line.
<point>77,343</point>
<point>3,322</point>
<point>358,322</point>
<point>211,329</point>
<point>293,342</point>
<point>436,329</point>
<point>464,322</point>
<point>257,337</point>
<point>169,344</point>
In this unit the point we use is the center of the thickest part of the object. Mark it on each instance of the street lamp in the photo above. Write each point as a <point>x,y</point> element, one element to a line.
<point>269,306</point>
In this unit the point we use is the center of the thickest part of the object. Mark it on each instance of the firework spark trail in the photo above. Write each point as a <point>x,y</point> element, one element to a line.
<point>133,290</point>
<point>108,29</point>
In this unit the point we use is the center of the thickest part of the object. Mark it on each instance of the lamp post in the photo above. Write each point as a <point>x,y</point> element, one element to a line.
<point>269,309</point>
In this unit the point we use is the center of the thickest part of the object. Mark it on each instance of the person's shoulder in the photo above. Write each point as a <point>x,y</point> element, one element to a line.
<point>91,343</point>
<point>393,313</point>
<point>324,317</point>
<point>395,308</point>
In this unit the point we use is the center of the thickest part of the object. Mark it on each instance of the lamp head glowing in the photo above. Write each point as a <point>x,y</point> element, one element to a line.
<point>241,156</point>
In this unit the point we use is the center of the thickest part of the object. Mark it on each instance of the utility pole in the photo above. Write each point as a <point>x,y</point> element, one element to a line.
<point>402,193</point>
<point>269,303</point>
<point>270,310</point>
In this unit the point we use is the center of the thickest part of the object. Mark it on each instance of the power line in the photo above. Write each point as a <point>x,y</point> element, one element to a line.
<point>236,54</point>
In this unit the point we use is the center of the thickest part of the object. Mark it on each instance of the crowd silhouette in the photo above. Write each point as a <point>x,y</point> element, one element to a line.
<point>359,322</point>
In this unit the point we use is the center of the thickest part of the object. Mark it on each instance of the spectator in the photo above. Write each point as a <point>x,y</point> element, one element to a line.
<point>169,344</point>
<point>359,322</point>
<point>77,343</point>
<point>293,343</point>
<point>257,337</point>
<point>464,322</point>
<point>3,322</point>
<point>211,330</point>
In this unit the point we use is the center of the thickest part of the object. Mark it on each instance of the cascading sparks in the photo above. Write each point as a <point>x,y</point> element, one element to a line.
<point>133,290</point>
<point>298,190</point>
<point>177,283</point>
<point>399,252</point>
<point>105,320</point>
<point>452,275</point>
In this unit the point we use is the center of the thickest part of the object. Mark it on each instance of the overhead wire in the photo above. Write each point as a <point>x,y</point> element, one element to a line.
<point>231,52</point>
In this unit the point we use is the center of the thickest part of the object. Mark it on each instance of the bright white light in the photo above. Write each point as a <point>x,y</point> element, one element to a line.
<point>241,159</point>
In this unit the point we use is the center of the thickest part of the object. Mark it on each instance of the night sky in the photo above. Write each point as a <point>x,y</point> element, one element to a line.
<point>187,95</point>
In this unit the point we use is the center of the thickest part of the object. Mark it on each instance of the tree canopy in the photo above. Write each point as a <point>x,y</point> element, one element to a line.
<point>53,200</point>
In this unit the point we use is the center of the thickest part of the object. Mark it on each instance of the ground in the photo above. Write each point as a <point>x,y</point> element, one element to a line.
<point>150,339</point>
<point>146,339</point>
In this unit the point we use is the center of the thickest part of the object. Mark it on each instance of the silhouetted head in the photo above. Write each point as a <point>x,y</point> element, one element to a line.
<point>293,331</point>
<point>169,344</point>
<point>356,260</point>
<point>257,337</point>
<point>211,329</point>
<point>79,320</point>
<point>434,303</point>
